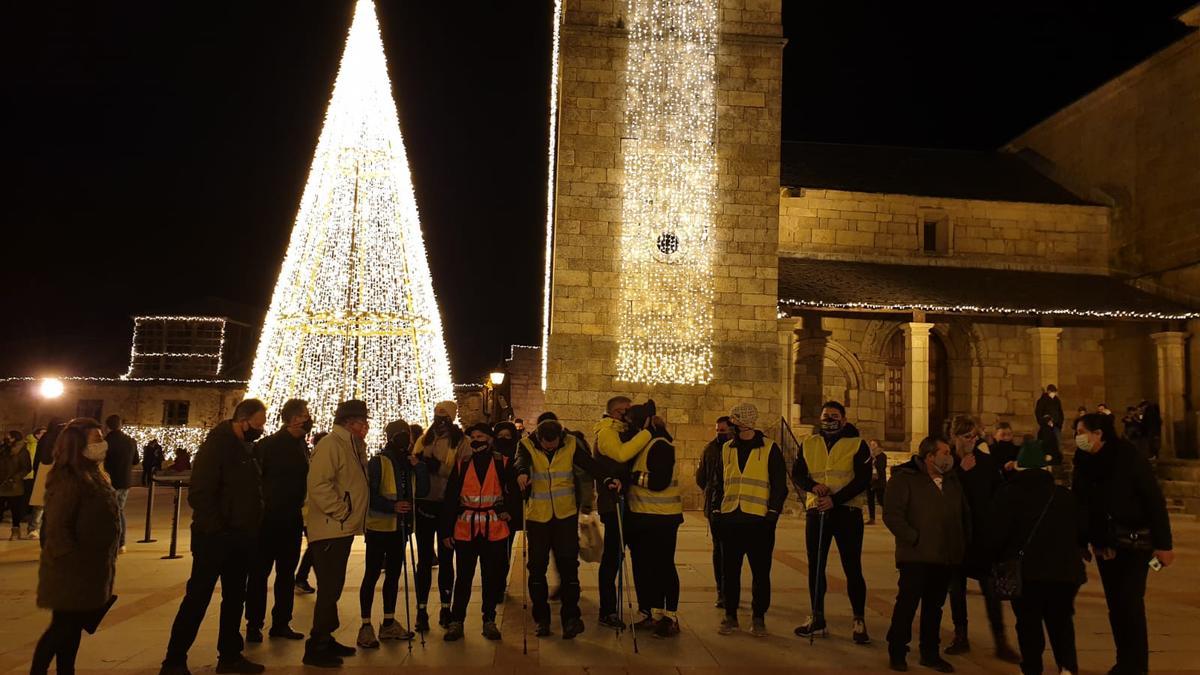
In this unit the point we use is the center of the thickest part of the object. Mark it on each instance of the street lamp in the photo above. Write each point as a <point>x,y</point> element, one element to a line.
<point>50,387</point>
<point>497,378</point>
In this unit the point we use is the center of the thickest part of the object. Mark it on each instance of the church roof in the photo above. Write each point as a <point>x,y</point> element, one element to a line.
<point>926,172</point>
<point>827,284</point>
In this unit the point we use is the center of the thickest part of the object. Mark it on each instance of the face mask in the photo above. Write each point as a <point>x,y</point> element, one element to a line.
<point>830,425</point>
<point>1054,394</point>
<point>96,451</point>
<point>1083,442</point>
<point>943,463</point>
<point>479,445</point>
<point>307,426</point>
<point>251,434</point>
<point>399,443</point>
<point>505,444</point>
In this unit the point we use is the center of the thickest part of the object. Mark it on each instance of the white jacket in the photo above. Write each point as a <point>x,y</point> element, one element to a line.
<point>338,493</point>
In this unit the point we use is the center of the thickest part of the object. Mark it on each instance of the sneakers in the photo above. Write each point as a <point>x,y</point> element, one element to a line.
<point>422,625</point>
<point>302,586</point>
<point>859,631</point>
<point>394,631</point>
<point>666,627</point>
<point>729,625</point>
<point>937,663</point>
<point>239,665</point>
<point>16,534</point>
<point>122,550</point>
<point>647,623</point>
<point>32,534</point>
<point>366,637</point>
<point>542,629</point>
<point>612,621</point>
<point>572,628</point>
<point>444,618</point>
<point>758,627</point>
<point>813,627</point>
<point>961,644</point>
<point>285,632</point>
<point>253,634</point>
<point>454,631</point>
<point>319,656</point>
<point>490,631</point>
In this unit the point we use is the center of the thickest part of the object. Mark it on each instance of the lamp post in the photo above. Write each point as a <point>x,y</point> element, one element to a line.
<point>495,379</point>
<point>48,388</point>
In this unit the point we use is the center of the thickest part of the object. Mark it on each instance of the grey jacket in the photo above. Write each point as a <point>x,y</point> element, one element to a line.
<point>931,525</point>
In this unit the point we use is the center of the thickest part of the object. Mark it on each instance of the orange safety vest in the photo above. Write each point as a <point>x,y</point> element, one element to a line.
<point>478,517</point>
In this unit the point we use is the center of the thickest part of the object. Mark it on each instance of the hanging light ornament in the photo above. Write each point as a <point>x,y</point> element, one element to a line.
<point>670,193</point>
<point>353,314</point>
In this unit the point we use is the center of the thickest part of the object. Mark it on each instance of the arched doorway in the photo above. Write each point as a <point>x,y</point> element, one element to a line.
<point>939,385</point>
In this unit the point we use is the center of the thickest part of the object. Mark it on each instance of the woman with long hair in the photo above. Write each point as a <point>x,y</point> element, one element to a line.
<point>80,534</point>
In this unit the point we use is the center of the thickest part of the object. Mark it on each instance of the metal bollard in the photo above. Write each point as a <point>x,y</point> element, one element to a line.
<point>174,525</point>
<point>149,508</point>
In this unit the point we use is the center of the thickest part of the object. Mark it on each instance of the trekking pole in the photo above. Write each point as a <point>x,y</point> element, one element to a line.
<point>524,592</point>
<point>412,558</point>
<point>407,542</point>
<point>624,576</point>
<point>820,572</point>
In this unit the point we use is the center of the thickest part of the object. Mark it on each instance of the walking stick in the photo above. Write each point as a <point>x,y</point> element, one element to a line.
<point>412,556</point>
<point>820,571</point>
<point>624,577</point>
<point>524,592</point>
<point>407,541</point>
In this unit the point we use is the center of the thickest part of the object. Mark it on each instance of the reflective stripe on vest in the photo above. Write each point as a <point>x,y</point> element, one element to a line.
<point>552,494</point>
<point>384,522</point>
<point>644,500</point>
<point>747,489</point>
<point>477,501</point>
<point>833,467</point>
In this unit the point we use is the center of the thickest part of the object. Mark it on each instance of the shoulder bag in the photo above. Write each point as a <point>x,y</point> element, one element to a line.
<point>1005,578</point>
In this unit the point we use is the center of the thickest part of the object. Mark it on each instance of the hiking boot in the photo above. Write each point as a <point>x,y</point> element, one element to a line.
<point>729,625</point>
<point>253,634</point>
<point>647,623</point>
<point>542,629</point>
<point>366,637</point>
<point>937,663</point>
<point>239,664</point>
<point>422,621</point>
<point>612,621</point>
<point>572,628</point>
<point>302,586</point>
<point>758,626</point>
<point>444,618</point>
<point>859,632</point>
<point>667,627</point>
<point>1006,653</point>
<point>490,632</point>
<point>338,649</point>
<point>813,627</point>
<point>285,632</point>
<point>454,631</point>
<point>898,663</point>
<point>319,656</point>
<point>961,644</point>
<point>394,631</point>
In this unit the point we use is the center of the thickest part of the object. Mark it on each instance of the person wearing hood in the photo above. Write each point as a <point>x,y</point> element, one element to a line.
<point>709,471</point>
<point>479,495</point>
<point>395,476</point>
<point>834,468</point>
<point>557,472</point>
<point>1048,412</point>
<point>1040,524</point>
<point>225,493</point>
<point>438,448</point>
<point>926,510</point>
<point>753,488</point>
<point>283,461</point>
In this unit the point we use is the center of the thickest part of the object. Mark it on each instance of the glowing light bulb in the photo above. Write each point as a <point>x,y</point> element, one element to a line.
<point>50,387</point>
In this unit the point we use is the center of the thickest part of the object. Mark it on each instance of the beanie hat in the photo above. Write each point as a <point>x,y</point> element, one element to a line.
<point>744,415</point>
<point>483,427</point>
<point>446,409</point>
<point>512,428</point>
<point>1032,456</point>
<point>394,428</point>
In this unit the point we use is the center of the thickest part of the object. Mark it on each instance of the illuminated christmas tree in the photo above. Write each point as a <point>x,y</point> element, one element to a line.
<point>354,314</point>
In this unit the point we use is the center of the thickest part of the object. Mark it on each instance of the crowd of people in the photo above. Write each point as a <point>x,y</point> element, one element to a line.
<point>452,500</point>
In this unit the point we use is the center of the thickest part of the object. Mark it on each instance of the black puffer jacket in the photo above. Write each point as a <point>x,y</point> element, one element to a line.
<point>225,491</point>
<point>1117,486</point>
<point>283,462</point>
<point>1055,550</point>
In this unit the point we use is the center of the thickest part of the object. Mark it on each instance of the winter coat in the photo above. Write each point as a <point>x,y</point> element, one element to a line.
<point>338,491</point>
<point>1048,406</point>
<point>979,485</point>
<point>14,464</point>
<point>122,455</point>
<point>1054,551</point>
<point>81,530</point>
<point>607,432</point>
<point>879,471</point>
<point>710,473</point>
<point>439,456</point>
<point>225,489</point>
<point>931,525</point>
<point>1117,486</point>
<point>283,460</point>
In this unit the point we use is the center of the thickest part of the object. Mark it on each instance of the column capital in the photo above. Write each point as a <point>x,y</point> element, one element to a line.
<point>1169,337</point>
<point>917,327</point>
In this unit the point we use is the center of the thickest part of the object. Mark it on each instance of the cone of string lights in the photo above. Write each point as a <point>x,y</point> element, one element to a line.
<point>353,315</point>
<point>670,192</point>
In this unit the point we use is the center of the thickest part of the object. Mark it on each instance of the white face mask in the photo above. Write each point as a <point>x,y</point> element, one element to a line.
<point>96,451</point>
<point>1083,442</point>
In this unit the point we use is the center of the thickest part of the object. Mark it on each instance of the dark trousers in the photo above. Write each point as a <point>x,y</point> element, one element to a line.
<point>60,643</point>
<point>846,526</point>
<point>427,539</point>
<point>490,557</point>
<point>1124,579</point>
<point>756,541</point>
<point>385,553</point>
<point>305,564</point>
<point>225,556</point>
<point>559,536</point>
<point>958,605</point>
<point>329,562</point>
<point>874,496</point>
<point>924,584</point>
<point>16,505</point>
<point>610,563</point>
<point>1053,604</point>
<point>278,547</point>
<point>652,552</point>
<point>718,557</point>
<point>27,483</point>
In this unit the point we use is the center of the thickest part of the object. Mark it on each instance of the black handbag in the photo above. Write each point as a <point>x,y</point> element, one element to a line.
<point>92,619</point>
<point>1005,578</point>
<point>1131,539</point>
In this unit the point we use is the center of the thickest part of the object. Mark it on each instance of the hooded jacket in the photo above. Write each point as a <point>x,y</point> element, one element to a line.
<point>338,492</point>
<point>931,525</point>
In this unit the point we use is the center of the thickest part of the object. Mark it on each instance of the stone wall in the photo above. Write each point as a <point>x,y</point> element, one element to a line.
<point>524,383</point>
<point>584,318</point>
<point>887,228</point>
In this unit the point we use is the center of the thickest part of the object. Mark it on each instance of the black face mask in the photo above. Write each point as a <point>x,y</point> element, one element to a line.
<point>505,444</point>
<point>251,434</point>
<point>479,445</point>
<point>307,426</point>
<point>399,444</point>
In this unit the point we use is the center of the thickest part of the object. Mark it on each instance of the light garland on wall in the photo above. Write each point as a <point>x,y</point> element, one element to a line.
<point>170,437</point>
<point>1007,311</point>
<point>551,181</point>
<point>670,193</point>
<point>137,322</point>
<point>134,380</point>
<point>353,314</point>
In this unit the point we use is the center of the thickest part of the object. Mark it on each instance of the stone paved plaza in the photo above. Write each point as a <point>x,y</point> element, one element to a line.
<point>134,635</point>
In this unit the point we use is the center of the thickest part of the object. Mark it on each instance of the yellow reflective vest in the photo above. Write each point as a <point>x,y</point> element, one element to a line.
<point>384,522</point>
<point>748,489</point>
<point>553,482</point>
<point>833,467</point>
<point>644,500</point>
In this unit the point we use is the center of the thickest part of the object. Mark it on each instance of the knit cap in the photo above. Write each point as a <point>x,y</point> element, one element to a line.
<point>1032,456</point>
<point>446,409</point>
<point>394,428</point>
<point>744,415</point>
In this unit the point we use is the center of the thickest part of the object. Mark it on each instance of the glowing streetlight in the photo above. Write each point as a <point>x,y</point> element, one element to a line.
<point>497,378</point>
<point>50,387</point>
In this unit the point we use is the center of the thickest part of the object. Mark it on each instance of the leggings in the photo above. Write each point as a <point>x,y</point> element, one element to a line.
<point>59,643</point>
<point>652,542</point>
<point>428,514</point>
<point>385,553</point>
<point>844,524</point>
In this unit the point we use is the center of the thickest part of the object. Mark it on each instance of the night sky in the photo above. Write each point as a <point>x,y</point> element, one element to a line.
<point>159,149</point>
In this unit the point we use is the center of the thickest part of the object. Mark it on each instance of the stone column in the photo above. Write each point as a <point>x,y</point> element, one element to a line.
<point>1171,390</point>
<point>1044,347</point>
<point>810,365</point>
<point>916,380</point>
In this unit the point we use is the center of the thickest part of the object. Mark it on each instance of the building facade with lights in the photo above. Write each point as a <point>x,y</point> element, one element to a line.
<point>912,285</point>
